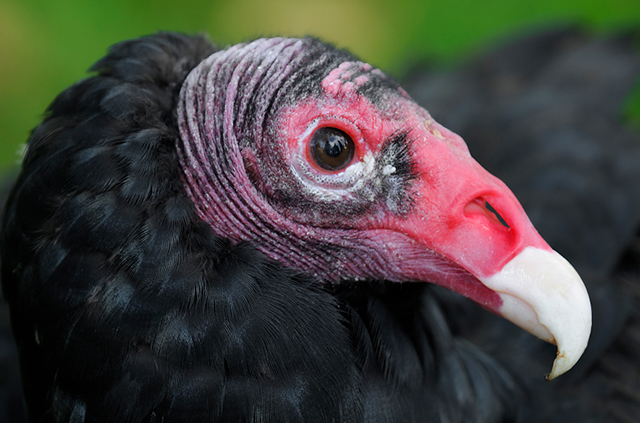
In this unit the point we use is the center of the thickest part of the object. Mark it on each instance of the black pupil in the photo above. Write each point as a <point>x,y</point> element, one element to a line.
<point>331,148</point>
<point>334,146</point>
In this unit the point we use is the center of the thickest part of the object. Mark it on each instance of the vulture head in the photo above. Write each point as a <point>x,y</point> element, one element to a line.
<point>330,168</point>
<point>182,218</point>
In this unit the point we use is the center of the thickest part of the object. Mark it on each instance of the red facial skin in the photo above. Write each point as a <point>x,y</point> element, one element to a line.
<point>450,191</point>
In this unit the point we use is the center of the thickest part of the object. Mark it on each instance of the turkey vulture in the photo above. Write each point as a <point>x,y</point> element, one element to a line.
<point>240,235</point>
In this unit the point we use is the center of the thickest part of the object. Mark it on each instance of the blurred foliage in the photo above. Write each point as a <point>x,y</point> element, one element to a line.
<point>45,45</point>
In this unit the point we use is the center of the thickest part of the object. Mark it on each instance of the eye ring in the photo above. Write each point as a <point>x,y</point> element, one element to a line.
<point>331,149</point>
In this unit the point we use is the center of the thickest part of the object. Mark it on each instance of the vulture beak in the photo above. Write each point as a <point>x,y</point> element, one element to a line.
<point>543,294</point>
<point>470,217</point>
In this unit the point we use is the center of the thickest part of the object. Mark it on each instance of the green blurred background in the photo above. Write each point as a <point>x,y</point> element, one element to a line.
<point>45,45</point>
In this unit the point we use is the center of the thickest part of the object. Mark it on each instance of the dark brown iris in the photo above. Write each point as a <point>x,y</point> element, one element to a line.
<point>331,148</point>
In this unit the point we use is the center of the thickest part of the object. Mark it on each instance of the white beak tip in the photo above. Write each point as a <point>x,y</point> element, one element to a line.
<point>544,295</point>
<point>561,364</point>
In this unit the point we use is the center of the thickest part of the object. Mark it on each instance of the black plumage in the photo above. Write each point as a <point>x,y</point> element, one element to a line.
<point>126,307</point>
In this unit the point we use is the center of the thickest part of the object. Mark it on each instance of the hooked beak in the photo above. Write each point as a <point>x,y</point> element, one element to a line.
<point>470,217</point>
<point>543,294</point>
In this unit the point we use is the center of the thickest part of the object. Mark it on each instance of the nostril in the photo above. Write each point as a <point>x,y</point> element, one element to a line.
<point>480,205</point>
<point>497,215</point>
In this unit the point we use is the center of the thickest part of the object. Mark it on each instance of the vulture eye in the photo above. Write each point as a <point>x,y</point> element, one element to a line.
<point>331,148</point>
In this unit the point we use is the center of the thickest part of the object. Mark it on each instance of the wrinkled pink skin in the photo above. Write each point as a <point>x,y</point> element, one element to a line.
<point>449,237</point>
<point>450,217</point>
